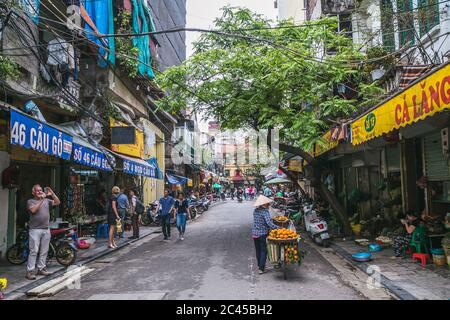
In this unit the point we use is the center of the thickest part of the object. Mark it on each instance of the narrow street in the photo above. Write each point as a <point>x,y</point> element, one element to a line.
<point>216,261</point>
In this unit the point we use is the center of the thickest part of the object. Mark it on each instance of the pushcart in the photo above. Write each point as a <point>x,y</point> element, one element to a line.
<point>278,253</point>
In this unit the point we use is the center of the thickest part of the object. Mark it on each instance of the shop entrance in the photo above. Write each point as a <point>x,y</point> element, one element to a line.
<point>30,174</point>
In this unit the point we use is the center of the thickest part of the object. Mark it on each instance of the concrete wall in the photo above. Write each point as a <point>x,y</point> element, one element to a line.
<point>4,195</point>
<point>168,14</point>
<point>292,9</point>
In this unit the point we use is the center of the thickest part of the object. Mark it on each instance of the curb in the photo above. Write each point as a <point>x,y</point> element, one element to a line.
<point>401,293</point>
<point>21,292</point>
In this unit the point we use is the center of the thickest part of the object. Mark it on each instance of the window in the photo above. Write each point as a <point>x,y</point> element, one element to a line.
<point>405,19</point>
<point>344,27</point>
<point>428,15</point>
<point>387,25</point>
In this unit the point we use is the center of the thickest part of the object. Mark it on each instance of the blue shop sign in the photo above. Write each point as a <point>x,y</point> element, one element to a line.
<point>135,168</point>
<point>88,157</point>
<point>31,134</point>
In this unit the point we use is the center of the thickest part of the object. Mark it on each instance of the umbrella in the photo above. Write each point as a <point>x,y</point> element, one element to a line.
<point>217,185</point>
<point>278,180</point>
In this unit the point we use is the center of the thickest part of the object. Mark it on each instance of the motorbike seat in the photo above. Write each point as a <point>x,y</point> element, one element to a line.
<point>55,232</point>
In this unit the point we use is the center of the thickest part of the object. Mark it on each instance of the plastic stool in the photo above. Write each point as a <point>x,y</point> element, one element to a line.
<point>102,230</point>
<point>423,257</point>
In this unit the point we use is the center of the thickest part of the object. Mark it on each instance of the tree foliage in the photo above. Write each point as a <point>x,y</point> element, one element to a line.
<point>264,77</point>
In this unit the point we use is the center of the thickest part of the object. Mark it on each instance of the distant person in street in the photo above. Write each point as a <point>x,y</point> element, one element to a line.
<point>262,224</point>
<point>411,222</point>
<point>267,191</point>
<point>182,206</point>
<point>134,215</point>
<point>38,229</point>
<point>166,204</point>
<point>113,216</point>
<point>123,207</point>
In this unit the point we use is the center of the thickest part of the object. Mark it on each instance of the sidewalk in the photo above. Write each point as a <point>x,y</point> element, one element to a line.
<point>18,284</point>
<point>406,279</point>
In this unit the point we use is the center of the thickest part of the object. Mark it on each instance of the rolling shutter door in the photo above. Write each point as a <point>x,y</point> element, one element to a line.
<point>435,163</point>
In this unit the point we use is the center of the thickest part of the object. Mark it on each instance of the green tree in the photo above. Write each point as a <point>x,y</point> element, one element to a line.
<point>250,75</point>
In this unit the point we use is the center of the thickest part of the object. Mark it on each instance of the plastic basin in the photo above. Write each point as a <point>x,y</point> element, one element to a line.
<point>362,256</point>
<point>374,247</point>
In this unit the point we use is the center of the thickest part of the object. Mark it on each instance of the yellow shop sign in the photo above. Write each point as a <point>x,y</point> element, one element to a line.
<point>131,149</point>
<point>421,100</point>
<point>329,144</point>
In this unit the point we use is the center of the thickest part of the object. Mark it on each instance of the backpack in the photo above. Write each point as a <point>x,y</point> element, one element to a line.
<point>140,208</point>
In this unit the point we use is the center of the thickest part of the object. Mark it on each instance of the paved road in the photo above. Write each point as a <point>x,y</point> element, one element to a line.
<point>215,261</point>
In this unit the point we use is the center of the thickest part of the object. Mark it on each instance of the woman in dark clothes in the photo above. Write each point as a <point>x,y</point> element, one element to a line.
<point>113,216</point>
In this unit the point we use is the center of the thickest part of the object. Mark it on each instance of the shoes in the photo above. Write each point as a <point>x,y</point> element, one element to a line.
<point>260,271</point>
<point>112,247</point>
<point>30,275</point>
<point>166,239</point>
<point>44,272</point>
<point>182,238</point>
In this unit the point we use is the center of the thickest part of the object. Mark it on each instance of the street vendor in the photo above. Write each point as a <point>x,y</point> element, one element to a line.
<point>262,224</point>
<point>410,223</point>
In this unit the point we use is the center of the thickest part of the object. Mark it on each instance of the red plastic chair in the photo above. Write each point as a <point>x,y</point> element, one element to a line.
<point>423,257</point>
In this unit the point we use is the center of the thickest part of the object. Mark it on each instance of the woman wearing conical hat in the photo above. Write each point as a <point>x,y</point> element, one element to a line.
<point>262,224</point>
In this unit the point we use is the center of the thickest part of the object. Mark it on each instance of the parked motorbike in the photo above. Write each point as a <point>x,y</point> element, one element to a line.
<point>151,217</point>
<point>315,226</point>
<point>61,247</point>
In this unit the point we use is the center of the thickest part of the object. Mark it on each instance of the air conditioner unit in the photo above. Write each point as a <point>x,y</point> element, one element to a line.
<point>444,139</point>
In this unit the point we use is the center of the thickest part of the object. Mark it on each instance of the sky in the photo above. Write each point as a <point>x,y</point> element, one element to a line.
<point>201,14</point>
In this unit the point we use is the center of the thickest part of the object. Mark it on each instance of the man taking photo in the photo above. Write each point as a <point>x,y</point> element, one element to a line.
<point>39,232</point>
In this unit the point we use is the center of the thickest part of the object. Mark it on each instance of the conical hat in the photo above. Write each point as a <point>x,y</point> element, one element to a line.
<point>262,200</point>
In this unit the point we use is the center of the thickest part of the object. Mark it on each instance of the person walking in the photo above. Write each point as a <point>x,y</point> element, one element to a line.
<point>262,224</point>
<point>166,204</point>
<point>38,229</point>
<point>182,206</point>
<point>113,216</point>
<point>123,206</point>
<point>134,214</point>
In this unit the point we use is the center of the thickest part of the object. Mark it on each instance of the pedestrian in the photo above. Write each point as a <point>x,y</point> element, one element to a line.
<point>182,206</point>
<point>134,214</point>
<point>262,224</point>
<point>166,204</point>
<point>123,207</point>
<point>101,202</point>
<point>38,229</point>
<point>113,216</point>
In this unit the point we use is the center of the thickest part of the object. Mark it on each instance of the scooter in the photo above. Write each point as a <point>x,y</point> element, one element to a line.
<point>151,216</point>
<point>316,227</point>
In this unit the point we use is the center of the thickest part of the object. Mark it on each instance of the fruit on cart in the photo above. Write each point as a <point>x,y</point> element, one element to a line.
<point>291,253</point>
<point>282,234</point>
<point>280,218</point>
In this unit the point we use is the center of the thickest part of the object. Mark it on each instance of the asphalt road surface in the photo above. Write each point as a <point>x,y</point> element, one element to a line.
<point>215,261</point>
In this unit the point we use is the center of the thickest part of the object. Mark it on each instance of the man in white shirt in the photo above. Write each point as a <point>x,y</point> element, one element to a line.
<point>134,214</point>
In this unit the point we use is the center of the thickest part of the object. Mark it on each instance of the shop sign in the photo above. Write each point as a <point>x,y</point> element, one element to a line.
<point>418,102</point>
<point>294,165</point>
<point>135,149</point>
<point>31,134</point>
<point>135,168</point>
<point>329,144</point>
<point>91,158</point>
<point>190,183</point>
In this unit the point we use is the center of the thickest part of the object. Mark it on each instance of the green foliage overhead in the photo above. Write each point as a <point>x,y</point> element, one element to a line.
<point>8,69</point>
<point>270,77</point>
